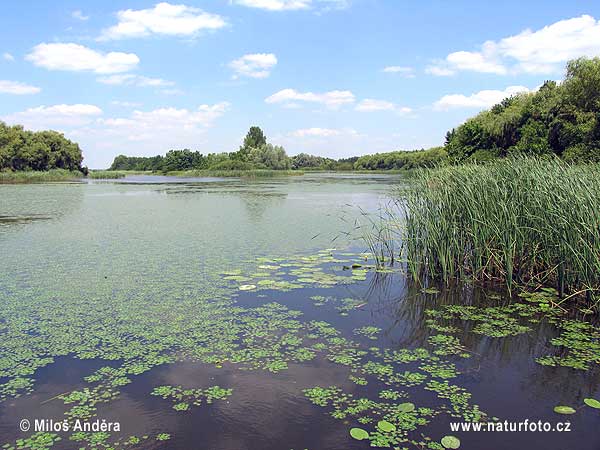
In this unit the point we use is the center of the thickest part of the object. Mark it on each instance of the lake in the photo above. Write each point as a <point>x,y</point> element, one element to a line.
<point>245,314</point>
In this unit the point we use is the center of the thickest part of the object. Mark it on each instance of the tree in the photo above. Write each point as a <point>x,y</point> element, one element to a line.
<point>255,138</point>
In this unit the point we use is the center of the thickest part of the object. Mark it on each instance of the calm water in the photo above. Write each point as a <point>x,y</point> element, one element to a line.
<point>141,279</point>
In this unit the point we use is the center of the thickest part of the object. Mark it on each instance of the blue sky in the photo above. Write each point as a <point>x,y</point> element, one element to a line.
<point>330,77</point>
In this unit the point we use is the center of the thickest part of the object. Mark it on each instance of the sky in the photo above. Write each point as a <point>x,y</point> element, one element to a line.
<point>335,78</point>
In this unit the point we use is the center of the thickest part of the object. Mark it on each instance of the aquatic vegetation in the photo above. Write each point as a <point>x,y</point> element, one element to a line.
<point>581,341</point>
<point>368,331</point>
<point>592,403</point>
<point>450,442</point>
<point>183,398</point>
<point>359,434</point>
<point>517,220</point>
<point>37,441</point>
<point>564,410</point>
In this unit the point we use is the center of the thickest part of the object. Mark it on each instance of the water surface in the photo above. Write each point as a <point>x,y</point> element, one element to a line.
<point>110,289</point>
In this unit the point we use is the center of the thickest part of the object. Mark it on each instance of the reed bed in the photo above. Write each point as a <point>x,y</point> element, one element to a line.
<point>39,176</point>
<point>108,174</point>
<point>516,220</point>
<point>252,173</point>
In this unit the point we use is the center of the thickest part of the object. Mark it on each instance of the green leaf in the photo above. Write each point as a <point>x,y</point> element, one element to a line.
<point>406,407</point>
<point>385,426</point>
<point>592,403</point>
<point>564,410</point>
<point>451,442</point>
<point>359,434</point>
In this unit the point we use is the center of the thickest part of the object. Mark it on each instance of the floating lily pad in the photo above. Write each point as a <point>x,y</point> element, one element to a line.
<point>359,434</point>
<point>564,410</point>
<point>592,403</point>
<point>247,287</point>
<point>451,442</point>
<point>386,426</point>
<point>406,407</point>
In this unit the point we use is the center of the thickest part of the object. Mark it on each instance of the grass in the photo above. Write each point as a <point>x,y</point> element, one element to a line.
<point>254,173</point>
<point>39,176</point>
<point>516,220</point>
<point>109,174</point>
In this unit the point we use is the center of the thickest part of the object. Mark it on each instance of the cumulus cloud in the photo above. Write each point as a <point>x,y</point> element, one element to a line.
<point>407,72</point>
<point>164,19</point>
<point>125,104</point>
<point>255,65</point>
<point>78,14</point>
<point>481,99</point>
<point>17,88</point>
<point>539,52</point>
<point>148,124</point>
<point>134,80</point>
<point>293,5</point>
<point>276,5</point>
<point>331,99</point>
<point>44,117</point>
<point>78,58</point>
<point>8,57</point>
<point>373,105</point>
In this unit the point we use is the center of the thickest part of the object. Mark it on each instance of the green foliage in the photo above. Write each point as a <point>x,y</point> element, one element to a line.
<point>557,119</point>
<point>402,159</point>
<point>21,149</point>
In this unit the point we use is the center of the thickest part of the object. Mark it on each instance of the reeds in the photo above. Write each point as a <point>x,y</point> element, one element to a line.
<point>39,176</point>
<point>515,220</point>
<point>108,174</point>
<point>252,173</point>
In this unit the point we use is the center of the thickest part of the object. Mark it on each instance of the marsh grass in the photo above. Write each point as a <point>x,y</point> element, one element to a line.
<point>517,220</point>
<point>112,174</point>
<point>253,173</point>
<point>39,176</point>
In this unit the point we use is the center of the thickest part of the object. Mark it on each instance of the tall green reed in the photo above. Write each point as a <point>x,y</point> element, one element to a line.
<point>515,220</point>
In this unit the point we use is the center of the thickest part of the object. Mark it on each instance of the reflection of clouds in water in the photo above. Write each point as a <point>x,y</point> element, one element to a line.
<point>265,411</point>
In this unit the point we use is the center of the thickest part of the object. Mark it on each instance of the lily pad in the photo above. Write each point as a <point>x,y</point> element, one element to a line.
<point>359,434</point>
<point>451,442</point>
<point>592,403</point>
<point>564,410</point>
<point>406,407</point>
<point>247,287</point>
<point>386,426</point>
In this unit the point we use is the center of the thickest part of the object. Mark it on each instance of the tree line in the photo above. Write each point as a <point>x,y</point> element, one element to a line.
<point>560,119</point>
<point>22,150</point>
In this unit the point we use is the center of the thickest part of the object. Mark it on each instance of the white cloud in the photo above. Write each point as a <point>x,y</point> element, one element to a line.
<point>255,65</point>
<point>75,57</point>
<point>407,72</point>
<point>8,57</point>
<point>481,99</point>
<point>372,105</point>
<point>542,51</point>
<point>439,70</point>
<point>151,123</point>
<point>134,80</point>
<point>44,117</point>
<point>78,14</point>
<point>164,19</point>
<point>312,132</point>
<point>293,5</point>
<point>17,88</point>
<point>331,99</point>
<point>125,104</point>
<point>276,5</point>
